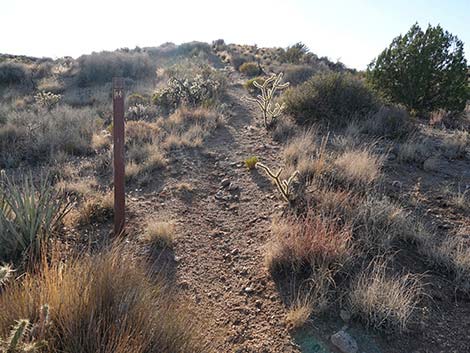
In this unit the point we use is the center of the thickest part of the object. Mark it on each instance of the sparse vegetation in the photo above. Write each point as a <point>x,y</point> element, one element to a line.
<point>265,100</point>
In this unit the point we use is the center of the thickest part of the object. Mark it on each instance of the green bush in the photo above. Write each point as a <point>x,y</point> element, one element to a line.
<point>13,73</point>
<point>29,214</point>
<point>424,70</point>
<point>330,98</point>
<point>99,68</point>
<point>294,54</point>
<point>250,69</point>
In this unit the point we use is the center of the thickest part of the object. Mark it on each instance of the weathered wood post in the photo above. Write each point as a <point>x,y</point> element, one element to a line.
<point>118,137</point>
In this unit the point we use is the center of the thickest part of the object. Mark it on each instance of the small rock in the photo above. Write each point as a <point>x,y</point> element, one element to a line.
<point>234,251</point>
<point>249,290</point>
<point>233,187</point>
<point>345,315</point>
<point>344,342</point>
<point>225,182</point>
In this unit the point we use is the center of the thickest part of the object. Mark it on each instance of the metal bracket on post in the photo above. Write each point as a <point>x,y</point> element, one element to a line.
<point>118,137</point>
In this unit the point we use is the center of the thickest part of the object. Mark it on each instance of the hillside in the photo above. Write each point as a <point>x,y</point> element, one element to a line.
<point>373,238</point>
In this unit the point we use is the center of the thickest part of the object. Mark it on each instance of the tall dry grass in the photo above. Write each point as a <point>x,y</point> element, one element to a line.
<point>102,303</point>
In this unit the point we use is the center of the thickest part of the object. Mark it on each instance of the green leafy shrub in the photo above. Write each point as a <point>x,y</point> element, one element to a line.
<point>29,214</point>
<point>13,73</point>
<point>297,74</point>
<point>294,54</point>
<point>330,98</point>
<point>250,69</point>
<point>424,70</point>
<point>98,68</point>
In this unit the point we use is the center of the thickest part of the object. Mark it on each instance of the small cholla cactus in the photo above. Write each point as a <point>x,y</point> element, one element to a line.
<point>5,273</point>
<point>282,185</point>
<point>250,162</point>
<point>137,112</point>
<point>47,99</point>
<point>25,337</point>
<point>265,99</point>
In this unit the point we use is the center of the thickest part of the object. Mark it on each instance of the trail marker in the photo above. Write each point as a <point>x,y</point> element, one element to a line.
<point>118,137</point>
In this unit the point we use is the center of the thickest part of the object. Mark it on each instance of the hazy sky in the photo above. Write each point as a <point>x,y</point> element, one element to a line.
<point>351,31</point>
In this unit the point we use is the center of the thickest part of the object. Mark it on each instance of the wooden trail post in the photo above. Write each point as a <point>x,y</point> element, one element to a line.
<point>118,137</point>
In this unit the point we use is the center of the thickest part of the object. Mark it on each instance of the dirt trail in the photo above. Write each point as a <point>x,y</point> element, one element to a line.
<point>222,231</point>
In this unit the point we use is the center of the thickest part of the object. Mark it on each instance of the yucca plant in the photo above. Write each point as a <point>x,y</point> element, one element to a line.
<point>29,214</point>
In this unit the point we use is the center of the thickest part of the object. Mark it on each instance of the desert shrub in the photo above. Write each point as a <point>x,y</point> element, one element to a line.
<point>159,234</point>
<point>37,135</point>
<point>137,112</point>
<point>98,68</point>
<point>102,303</point>
<point>13,73</point>
<point>140,132</point>
<point>238,60</point>
<point>136,98</point>
<point>358,167</point>
<point>249,83</point>
<point>192,92</point>
<point>297,74</point>
<point>29,215</point>
<point>306,242</point>
<point>385,301</point>
<point>219,44</point>
<point>453,256</point>
<point>330,98</point>
<point>389,121</point>
<point>193,49</point>
<point>414,149</point>
<point>250,69</point>
<point>47,99</point>
<point>455,145</point>
<point>294,54</point>
<point>424,70</point>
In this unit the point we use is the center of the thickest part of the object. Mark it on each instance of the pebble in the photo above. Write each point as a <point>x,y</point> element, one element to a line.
<point>344,342</point>
<point>249,290</point>
<point>225,182</point>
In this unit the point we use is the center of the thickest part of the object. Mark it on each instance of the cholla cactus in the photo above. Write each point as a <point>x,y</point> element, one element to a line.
<point>265,99</point>
<point>282,185</point>
<point>47,99</point>
<point>5,273</point>
<point>25,337</point>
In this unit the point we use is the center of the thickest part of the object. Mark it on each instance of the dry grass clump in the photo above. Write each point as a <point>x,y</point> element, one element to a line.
<point>360,167</point>
<point>303,154</point>
<point>379,223</point>
<point>388,121</point>
<point>100,141</point>
<point>189,127</point>
<point>37,135</point>
<point>96,208</point>
<point>414,150</point>
<point>101,303</point>
<point>308,241</point>
<point>385,301</point>
<point>139,132</point>
<point>160,234</point>
<point>454,256</point>
<point>456,144</point>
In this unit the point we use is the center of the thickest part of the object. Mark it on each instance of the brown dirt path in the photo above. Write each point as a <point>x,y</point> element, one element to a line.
<point>221,234</point>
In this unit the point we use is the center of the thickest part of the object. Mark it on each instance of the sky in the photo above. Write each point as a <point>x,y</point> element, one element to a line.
<point>353,32</point>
